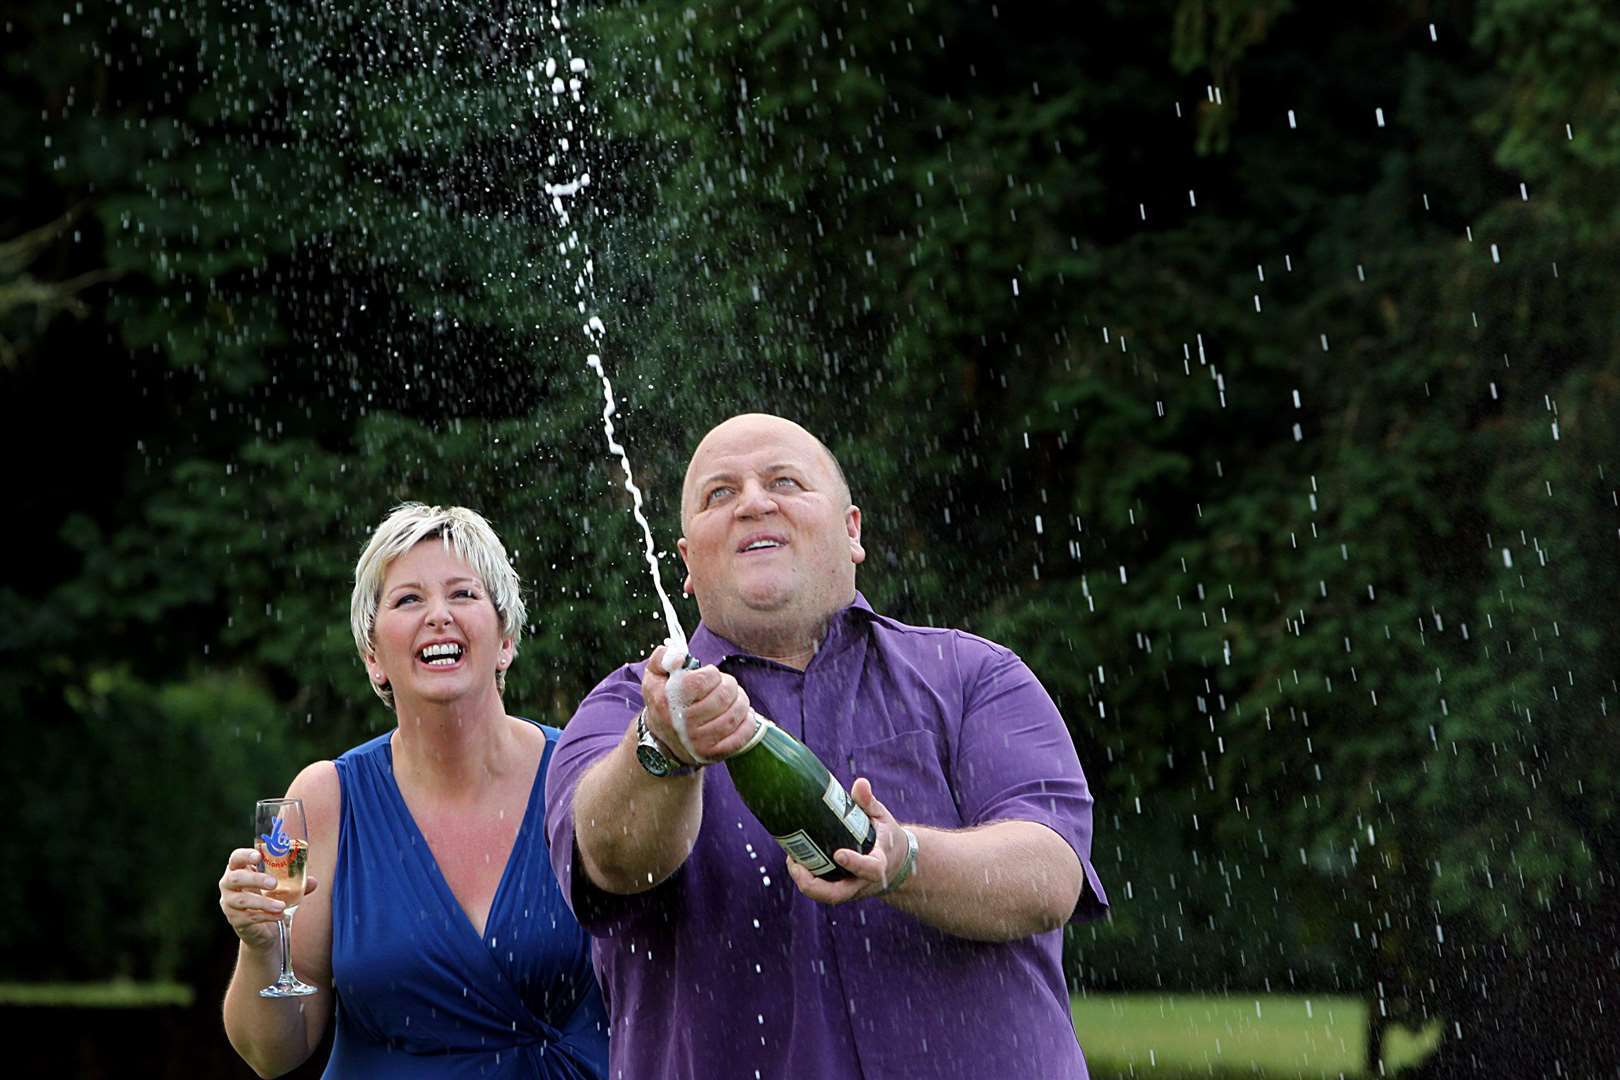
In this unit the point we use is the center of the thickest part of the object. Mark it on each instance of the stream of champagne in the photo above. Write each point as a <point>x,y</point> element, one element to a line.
<point>675,647</point>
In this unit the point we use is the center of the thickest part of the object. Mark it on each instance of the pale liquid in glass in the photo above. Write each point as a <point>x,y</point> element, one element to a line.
<point>288,871</point>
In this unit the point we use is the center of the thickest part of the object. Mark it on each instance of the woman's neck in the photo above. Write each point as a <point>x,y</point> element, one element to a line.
<point>459,747</point>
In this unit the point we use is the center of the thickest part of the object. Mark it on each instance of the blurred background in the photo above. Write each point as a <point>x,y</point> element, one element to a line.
<point>1250,367</point>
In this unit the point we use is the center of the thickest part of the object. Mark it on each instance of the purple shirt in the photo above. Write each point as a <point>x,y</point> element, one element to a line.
<point>725,969</point>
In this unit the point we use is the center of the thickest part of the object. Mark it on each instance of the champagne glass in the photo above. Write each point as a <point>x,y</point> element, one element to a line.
<point>282,837</point>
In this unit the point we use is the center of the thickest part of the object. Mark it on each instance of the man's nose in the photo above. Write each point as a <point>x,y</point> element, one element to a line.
<point>755,500</point>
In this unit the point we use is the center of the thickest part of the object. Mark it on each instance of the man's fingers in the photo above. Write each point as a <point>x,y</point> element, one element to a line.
<point>730,741</point>
<point>654,677</point>
<point>707,690</point>
<point>870,867</point>
<point>861,792</point>
<point>825,892</point>
<point>724,732</point>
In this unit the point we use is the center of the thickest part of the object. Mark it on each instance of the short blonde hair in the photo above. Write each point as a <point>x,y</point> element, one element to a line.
<point>465,534</point>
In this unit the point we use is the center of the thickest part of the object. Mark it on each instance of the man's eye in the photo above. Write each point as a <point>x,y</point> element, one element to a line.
<point>715,493</point>
<point>784,481</point>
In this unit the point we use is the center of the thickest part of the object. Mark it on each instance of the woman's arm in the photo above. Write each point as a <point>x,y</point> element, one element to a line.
<point>275,1035</point>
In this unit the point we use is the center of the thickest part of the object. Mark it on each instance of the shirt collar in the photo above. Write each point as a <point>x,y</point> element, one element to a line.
<point>710,648</point>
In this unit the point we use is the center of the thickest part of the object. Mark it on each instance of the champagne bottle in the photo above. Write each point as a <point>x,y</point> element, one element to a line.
<point>798,800</point>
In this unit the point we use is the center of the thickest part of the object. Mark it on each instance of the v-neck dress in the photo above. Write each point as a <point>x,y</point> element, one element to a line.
<point>419,993</point>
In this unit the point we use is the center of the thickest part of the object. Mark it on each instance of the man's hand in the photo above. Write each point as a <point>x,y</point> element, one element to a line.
<point>718,720</point>
<point>869,874</point>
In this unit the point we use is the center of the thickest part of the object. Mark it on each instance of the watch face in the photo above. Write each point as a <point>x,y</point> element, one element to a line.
<point>652,760</point>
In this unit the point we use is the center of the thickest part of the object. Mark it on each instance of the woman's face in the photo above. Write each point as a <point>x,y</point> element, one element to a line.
<point>437,637</point>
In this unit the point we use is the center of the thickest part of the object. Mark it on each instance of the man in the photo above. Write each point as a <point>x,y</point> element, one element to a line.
<point>939,956</point>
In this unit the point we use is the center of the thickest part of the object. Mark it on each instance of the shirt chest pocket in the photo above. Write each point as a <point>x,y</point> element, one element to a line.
<point>910,775</point>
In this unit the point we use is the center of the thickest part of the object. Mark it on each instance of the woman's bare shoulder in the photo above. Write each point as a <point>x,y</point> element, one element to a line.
<point>317,784</point>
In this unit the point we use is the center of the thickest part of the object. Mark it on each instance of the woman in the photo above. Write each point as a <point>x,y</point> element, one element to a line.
<point>431,921</point>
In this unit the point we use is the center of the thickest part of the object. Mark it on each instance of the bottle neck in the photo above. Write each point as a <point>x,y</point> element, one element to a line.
<point>761,727</point>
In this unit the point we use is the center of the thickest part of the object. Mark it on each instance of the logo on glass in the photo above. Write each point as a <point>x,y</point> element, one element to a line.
<point>277,842</point>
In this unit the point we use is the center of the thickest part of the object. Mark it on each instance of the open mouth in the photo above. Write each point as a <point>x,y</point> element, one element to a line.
<point>764,543</point>
<point>443,654</point>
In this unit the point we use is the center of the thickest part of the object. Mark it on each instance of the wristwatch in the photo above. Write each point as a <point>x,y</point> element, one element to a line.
<point>655,756</point>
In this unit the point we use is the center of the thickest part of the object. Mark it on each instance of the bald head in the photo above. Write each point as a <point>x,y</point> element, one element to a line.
<point>746,426</point>
<point>771,541</point>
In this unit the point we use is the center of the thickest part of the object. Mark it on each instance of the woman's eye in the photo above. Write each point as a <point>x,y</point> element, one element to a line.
<point>406,599</point>
<point>468,593</point>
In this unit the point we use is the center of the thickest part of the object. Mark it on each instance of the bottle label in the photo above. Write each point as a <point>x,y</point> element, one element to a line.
<point>853,817</point>
<point>804,851</point>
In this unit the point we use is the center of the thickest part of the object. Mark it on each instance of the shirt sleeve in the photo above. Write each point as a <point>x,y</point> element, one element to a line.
<point>595,729</point>
<point>1014,759</point>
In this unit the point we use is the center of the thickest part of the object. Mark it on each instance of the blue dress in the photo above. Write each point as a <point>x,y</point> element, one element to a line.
<point>419,994</point>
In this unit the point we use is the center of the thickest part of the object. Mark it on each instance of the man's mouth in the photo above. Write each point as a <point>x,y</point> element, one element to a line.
<point>441,654</point>
<point>763,543</point>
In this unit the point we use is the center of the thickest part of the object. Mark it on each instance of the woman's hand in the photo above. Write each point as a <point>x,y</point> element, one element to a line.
<point>252,914</point>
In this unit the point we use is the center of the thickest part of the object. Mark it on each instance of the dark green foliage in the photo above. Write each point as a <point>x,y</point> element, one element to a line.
<point>1274,435</point>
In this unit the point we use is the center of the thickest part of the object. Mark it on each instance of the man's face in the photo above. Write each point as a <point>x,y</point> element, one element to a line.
<point>771,541</point>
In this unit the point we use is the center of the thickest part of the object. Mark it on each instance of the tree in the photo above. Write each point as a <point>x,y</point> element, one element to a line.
<point>1210,354</point>
<point>1192,391</point>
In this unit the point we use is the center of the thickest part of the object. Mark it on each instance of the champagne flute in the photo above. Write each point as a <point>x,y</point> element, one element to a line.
<point>282,837</point>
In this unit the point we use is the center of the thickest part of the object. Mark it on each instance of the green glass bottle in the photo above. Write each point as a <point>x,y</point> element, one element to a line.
<point>798,800</point>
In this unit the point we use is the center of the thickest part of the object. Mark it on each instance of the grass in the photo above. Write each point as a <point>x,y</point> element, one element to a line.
<point>113,994</point>
<point>1160,1037</point>
<point>1267,1035</point>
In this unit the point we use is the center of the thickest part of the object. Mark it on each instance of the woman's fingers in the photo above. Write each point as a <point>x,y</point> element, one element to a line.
<point>243,902</point>
<point>242,856</point>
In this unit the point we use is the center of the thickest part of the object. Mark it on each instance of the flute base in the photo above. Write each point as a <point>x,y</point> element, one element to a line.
<point>287,986</point>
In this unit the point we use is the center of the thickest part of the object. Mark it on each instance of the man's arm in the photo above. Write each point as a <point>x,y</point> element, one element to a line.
<point>999,882</point>
<point>1018,867</point>
<point>633,829</point>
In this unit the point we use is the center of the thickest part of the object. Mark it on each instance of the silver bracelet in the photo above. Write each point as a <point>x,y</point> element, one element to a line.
<point>907,865</point>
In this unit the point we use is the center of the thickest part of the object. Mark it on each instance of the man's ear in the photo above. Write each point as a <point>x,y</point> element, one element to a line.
<point>686,585</point>
<point>852,523</point>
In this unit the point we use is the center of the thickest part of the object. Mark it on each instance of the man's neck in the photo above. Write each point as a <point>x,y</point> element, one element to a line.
<point>798,659</point>
<point>792,646</point>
